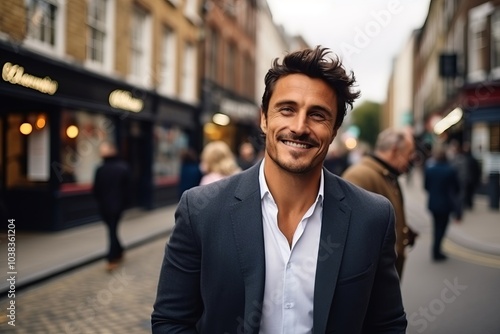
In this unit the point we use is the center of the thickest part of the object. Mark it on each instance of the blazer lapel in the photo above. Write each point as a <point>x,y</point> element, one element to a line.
<point>246,217</point>
<point>334,227</point>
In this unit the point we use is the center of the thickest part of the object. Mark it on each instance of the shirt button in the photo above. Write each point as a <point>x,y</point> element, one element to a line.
<point>288,266</point>
<point>289,305</point>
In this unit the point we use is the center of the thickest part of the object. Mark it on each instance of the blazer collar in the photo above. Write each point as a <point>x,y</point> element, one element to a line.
<point>246,218</point>
<point>334,227</point>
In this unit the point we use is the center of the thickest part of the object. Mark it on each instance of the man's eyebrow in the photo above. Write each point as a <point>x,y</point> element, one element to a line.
<point>285,102</point>
<point>313,107</point>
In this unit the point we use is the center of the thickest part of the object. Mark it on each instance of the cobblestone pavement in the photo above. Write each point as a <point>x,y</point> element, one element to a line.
<point>91,300</point>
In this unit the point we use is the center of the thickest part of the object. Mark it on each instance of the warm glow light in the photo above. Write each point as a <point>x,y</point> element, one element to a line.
<point>40,122</point>
<point>72,131</point>
<point>451,119</point>
<point>212,131</point>
<point>221,119</point>
<point>26,128</point>
<point>351,143</point>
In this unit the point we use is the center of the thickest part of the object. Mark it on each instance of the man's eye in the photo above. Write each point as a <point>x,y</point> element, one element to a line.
<point>286,109</point>
<point>318,116</point>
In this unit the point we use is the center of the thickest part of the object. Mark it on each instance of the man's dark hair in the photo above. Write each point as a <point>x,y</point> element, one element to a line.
<point>314,64</point>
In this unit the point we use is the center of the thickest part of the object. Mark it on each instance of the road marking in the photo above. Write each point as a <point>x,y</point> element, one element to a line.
<point>484,259</point>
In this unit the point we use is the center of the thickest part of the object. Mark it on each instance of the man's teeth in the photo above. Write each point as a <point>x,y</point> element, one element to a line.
<point>289,143</point>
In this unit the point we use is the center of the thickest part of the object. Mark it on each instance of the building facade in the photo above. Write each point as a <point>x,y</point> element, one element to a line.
<point>229,111</point>
<point>76,73</point>
<point>456,78</point>
<point>468,81</point>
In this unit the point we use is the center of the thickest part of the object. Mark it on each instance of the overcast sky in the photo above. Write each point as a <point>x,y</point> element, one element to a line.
<point>367,34</point>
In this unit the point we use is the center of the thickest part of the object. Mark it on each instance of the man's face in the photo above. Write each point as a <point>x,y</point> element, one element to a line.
<point>405,155</point>
<point>300,123</point>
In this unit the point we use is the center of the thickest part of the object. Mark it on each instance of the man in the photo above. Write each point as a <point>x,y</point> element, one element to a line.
<point>111,191</point>
<point>246,156</point>
<point>285,246</point>
<point>469,174</point>
<point>443,189</point>
<point>379,173</point>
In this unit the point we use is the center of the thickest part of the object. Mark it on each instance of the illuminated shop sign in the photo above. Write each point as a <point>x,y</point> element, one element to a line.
<point>239,110</point>
<point>124,100</point>
<point>15,75</point>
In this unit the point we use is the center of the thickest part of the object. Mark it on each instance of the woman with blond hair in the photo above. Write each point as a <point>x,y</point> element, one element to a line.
<point>217,162</point>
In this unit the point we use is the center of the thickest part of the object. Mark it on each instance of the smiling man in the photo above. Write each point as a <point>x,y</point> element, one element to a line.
<point>285,246</point>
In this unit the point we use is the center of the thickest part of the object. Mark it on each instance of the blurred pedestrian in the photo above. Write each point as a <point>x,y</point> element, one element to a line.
<point>285,246</point>
<point>246,155</point>
<point>190,174</point>
<point>111,190</point>
<point>442,185</point>
<point>379,173</point>
<point>469,174</point>
<point>217,162</point>
<point>336,160</point>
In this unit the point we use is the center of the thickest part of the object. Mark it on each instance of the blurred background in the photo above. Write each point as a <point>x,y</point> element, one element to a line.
<point>162,78</point>
<point>159,77</point>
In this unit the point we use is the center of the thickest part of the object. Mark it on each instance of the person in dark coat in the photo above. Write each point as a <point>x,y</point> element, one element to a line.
<point>441,183</point>
<point>469,175</point>
<point>190,175</point>
<point>111,191</point>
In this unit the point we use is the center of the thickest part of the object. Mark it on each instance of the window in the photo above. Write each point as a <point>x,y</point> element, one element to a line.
<point>478,42</point>
<point>248,78</point>
<point>175,3</point>
<point>99,49</point>
<point>188,91</point>
<point>230,71</point>
<point>140,71</point>
<point>213,48</point>
<point>169,142</point>
<point>191,11</point>
<point>168,62</point>
<point>81,135</point>
<point>45,24</point>
<point>28,151</point>
<point>495,42</point>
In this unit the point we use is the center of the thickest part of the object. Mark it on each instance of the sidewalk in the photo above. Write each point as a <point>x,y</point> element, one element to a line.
<point>479,230</point>
<point>41,255</point>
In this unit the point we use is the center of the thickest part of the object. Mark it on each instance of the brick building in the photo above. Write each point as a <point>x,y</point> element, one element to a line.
<point>75,73</point>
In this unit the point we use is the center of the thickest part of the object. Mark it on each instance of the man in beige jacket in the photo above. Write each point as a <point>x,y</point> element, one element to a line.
<point>379,173</point>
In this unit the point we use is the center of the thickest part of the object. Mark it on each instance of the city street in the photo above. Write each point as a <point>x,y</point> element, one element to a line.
<point>91,300</point>
<point>458,296</point>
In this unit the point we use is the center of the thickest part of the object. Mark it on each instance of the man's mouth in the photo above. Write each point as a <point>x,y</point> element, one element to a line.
<point>294,144</point>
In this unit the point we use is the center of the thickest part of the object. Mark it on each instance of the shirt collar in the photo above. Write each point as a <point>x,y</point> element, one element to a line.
<point>264,189</point>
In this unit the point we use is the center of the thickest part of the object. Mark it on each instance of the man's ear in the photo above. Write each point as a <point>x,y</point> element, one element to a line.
<point>263,122</point>
<point>334,134</point>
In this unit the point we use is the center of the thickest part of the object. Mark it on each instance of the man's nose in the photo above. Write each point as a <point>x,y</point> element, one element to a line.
<point>299,124</point>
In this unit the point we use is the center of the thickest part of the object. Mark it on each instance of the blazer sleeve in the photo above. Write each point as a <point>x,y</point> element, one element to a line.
<point>385,312</point>
<point>178,304</point>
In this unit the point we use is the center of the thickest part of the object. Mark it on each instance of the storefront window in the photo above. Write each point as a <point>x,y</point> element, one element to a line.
<point>81,134</point>
<point>168,144</point>
<point>28,150</point>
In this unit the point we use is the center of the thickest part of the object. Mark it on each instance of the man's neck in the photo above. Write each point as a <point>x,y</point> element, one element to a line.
<point>291,191</point>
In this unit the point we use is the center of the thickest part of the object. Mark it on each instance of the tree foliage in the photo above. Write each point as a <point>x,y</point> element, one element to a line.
<point>367,118</point>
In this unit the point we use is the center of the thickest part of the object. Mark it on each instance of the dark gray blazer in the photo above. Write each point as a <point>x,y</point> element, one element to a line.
<point>212,276</point>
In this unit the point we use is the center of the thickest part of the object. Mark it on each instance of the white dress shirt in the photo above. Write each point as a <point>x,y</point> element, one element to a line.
<point>290,271</point>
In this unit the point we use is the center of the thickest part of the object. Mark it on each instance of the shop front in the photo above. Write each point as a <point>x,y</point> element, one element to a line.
<point>53,118</point>
<point>230,118</point>
<point>175,130</point>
